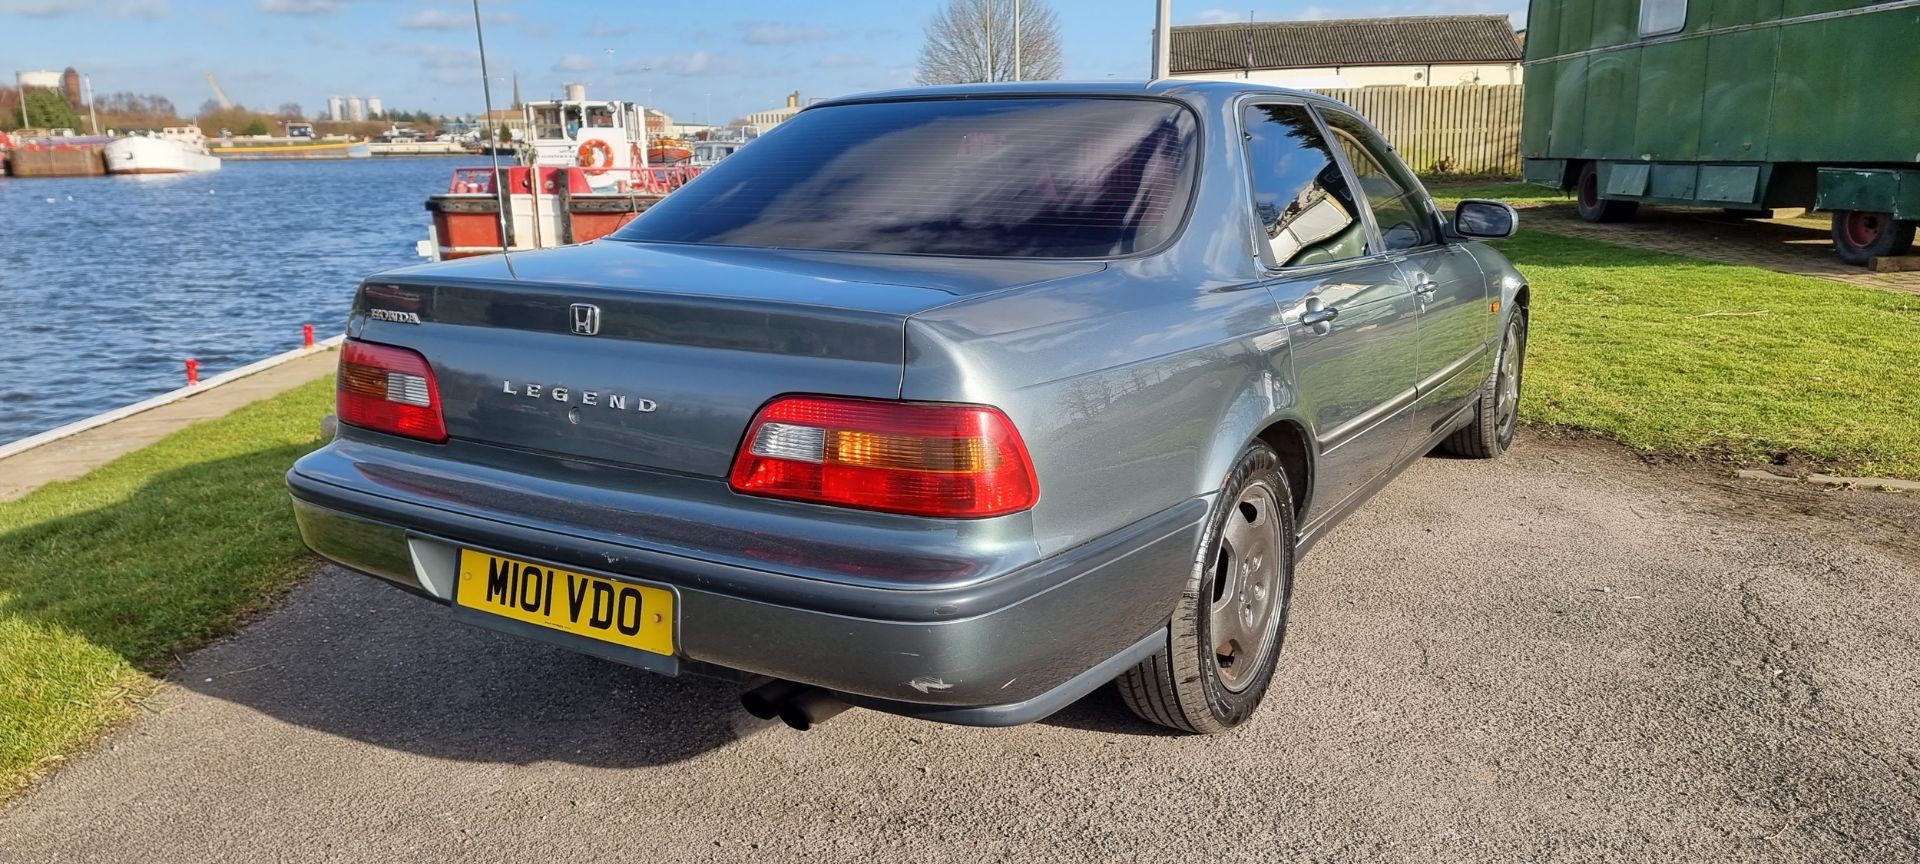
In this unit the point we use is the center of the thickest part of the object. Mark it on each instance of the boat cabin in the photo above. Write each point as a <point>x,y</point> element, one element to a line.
<point>607,138</point>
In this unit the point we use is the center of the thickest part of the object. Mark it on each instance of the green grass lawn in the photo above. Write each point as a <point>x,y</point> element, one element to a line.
<point>1677,356</point>
<point>1519,194</point>
<point>109,576</point>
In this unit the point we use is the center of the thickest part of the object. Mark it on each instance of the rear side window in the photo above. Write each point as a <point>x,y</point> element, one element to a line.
<point>1047,178</point>
<point>1299,194</point>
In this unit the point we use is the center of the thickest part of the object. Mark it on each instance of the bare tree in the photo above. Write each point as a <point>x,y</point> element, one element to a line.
<point>971,41</point>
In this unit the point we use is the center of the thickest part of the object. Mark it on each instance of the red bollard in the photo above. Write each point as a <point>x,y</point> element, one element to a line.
<point>193,372</point>
<point>306,335</point>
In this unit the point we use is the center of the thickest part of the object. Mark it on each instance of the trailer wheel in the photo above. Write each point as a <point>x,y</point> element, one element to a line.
<point>1594,208</point>
<point>1860,235</point>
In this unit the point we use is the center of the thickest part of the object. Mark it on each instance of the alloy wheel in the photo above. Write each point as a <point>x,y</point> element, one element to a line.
<point>1507,398</point>
<point>1247,594</point>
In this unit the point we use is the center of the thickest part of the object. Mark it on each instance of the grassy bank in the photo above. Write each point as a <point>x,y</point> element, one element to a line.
<point>108,577</point>
<point>1685,357</point>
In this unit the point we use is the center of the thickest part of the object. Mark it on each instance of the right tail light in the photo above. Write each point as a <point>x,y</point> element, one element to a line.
<point>918,458</point>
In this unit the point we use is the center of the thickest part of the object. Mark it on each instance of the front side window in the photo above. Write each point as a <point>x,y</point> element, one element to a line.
<point>1308,213</point>
<point>1658,17</point>
<point>1399,208</point>
<point>1006,177</point>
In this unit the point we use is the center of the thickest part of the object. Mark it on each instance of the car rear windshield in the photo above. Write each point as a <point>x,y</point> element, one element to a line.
<point>1005,177</point>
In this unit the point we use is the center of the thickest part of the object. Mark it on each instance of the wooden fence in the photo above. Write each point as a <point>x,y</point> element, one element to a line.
<point>1470,130</point>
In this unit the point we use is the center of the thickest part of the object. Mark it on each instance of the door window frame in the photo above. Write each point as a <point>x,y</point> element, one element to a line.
<point>1372,142</point>
<point>1649,5</point>
<point>1263,251</point>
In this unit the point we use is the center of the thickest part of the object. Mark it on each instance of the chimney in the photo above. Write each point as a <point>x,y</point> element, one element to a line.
<point>793,99</point>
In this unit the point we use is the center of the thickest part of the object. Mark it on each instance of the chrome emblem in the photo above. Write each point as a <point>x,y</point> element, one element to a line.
<point>586,319</point>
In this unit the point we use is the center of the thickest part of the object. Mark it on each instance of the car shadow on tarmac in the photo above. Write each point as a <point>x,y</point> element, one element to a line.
<point>348,655</point>
<point>351,656</point>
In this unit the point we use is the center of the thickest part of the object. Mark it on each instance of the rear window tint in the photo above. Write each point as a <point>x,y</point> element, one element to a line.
<point>1048,178</point>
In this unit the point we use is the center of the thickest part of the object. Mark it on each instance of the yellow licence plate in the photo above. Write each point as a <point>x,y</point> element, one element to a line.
<point>623,613</point>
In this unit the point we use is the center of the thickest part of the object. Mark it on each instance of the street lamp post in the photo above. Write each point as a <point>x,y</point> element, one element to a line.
<point>1016,41</point>
<point>1162,39</point>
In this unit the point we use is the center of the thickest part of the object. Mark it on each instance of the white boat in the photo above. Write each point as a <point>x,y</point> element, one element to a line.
<point>174,150</point>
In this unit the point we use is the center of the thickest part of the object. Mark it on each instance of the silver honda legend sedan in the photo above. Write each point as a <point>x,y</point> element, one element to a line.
<point>957,403</point>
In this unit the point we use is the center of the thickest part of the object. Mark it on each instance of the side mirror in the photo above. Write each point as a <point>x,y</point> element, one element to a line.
<point>1481,219</point>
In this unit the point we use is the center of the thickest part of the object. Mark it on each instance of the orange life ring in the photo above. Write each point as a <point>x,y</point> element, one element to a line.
<point>595,156</point>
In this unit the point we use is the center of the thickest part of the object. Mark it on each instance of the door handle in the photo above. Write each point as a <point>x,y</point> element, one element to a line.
<point>1318,316</point>
<point>1425,290</point>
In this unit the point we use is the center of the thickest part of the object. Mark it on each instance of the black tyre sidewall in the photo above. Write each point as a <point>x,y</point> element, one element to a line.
<point>1504,436</point>
<point>1591,212</point>
<point>1229,709</point>
<point>1895,239</point>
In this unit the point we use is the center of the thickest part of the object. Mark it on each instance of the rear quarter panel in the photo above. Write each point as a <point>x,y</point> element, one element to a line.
<point>1133,388</point>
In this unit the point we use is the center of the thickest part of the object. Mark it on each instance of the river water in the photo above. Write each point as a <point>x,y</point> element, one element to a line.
<point>108,284</point>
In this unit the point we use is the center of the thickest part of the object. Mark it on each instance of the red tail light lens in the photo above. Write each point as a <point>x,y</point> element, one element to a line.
<point>901,457</point>
<point>390,390</point>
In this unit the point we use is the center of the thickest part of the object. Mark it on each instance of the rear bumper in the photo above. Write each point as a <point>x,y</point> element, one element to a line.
<point>1008,649</point>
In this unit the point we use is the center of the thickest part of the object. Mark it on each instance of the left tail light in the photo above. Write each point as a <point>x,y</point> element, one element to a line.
<point>390,390</point>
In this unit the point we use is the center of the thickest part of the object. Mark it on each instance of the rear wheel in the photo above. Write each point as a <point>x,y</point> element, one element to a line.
<point>1496,415</point>
<point>1861,235</point>
<point>1231,621</point>
<point>1594,208</point>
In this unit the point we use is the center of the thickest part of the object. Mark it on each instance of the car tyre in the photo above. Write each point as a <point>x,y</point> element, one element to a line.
<point>1496,412</point>
<point>1860,236</point>
<point>1236,601</point>
<point>1594,208</point>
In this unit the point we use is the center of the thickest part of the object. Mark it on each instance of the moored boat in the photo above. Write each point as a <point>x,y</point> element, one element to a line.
<point>174,150</point>
<point>589,175</point>
<point>291,148</point>
<point>668,151</point>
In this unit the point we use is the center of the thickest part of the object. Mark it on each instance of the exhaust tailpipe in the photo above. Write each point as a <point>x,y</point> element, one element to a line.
<point>811,707</point>
<point>801,706</point>
<point>765,700</point>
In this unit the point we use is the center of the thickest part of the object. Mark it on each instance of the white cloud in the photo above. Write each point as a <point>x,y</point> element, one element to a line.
<point>148,9</point>
<point>300,7</point>
<point>692,64</point>
<point>603,30</point>
<point>576,63</point>
<point>436,19</point>
<point>842,61</point>
<point>776,33</point>
<point>1217,16</point>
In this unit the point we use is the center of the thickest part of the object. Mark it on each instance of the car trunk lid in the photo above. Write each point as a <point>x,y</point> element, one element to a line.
<point>658,356</point>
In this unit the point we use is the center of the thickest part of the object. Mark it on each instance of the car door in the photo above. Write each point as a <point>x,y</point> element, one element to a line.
<point>1449,287</point>
<point>1351,314</point>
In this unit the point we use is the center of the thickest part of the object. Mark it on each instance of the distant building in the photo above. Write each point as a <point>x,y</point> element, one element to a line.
<point>765,120</point>
<point>41,79</point>
<point>70,84</point>
<point>1422,51</point>
<point>659,123</point>
<point>336,109</point>
<point>356,108</point>
<point>374,108</point>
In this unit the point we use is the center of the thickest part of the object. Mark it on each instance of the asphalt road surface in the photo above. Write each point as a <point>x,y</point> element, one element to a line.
<point>1568,655</point>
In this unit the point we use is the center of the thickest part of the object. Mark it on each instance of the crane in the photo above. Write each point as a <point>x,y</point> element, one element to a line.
<point>224,101</point>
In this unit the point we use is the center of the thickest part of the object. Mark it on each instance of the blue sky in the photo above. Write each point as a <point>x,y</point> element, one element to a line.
<point>700,60</point>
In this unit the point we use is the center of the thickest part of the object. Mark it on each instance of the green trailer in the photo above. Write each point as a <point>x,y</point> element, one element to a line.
<point>1746,105</point>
